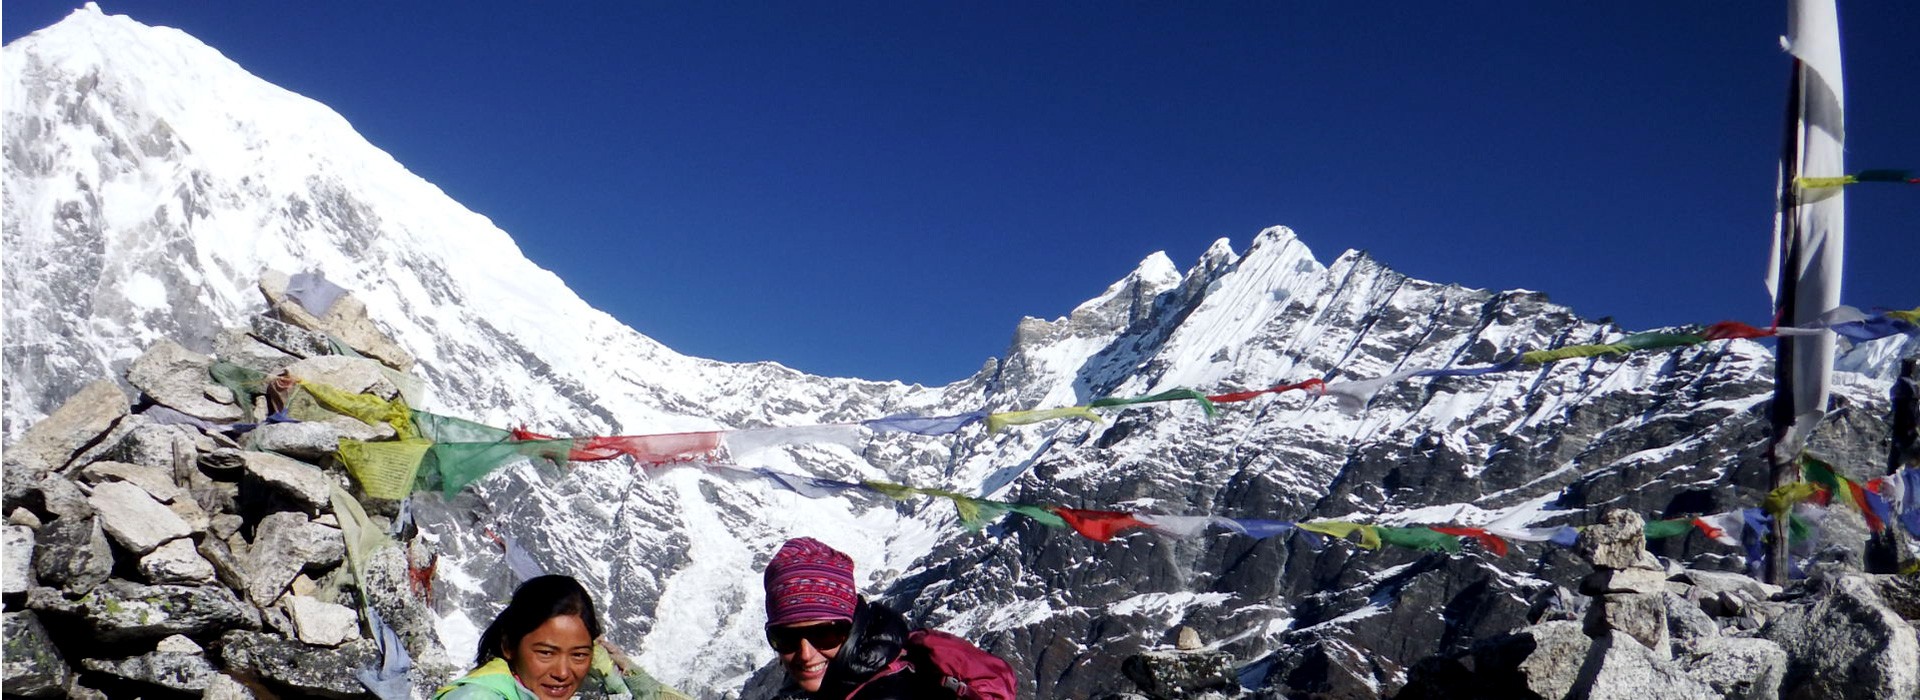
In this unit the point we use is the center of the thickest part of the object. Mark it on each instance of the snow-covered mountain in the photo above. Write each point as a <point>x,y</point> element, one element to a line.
<point>149,182</point>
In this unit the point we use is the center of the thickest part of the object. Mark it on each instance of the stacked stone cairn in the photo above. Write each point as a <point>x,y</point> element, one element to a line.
<point>152,551</point>
<point>1650,631</point>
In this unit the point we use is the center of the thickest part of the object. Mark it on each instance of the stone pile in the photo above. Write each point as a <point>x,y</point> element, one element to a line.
<point>1650,631</point>
<point>151,550</point>
<point>1189,671</point>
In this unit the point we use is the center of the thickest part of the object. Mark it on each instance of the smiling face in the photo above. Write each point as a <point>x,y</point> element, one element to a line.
<point>806,647</point>
<point>553,659</point>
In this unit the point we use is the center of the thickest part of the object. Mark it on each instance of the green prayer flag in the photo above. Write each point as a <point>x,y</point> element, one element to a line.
<point>1420,538</point>
<point>458,464</point>
<point>1662,529</point>
<point>1044,516</point>
<point>1649,341</point>
<point>245,383</point>
<point>1170,395</point>
<point>898,492</point>
<point>439,428</point>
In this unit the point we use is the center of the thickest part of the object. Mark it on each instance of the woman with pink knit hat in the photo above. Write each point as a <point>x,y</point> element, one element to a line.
<point>836,645</point>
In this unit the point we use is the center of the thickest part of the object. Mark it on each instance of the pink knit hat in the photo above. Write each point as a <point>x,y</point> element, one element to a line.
<point>808,581</point>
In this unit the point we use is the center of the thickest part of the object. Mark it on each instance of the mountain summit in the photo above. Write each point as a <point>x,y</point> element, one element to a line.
<point>150,184</point>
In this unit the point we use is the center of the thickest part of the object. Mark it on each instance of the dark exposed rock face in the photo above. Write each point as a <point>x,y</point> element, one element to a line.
<point>34,666</point>
<point>291,666</point>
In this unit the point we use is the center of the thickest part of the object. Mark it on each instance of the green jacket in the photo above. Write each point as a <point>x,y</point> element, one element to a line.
<point>493,680</point>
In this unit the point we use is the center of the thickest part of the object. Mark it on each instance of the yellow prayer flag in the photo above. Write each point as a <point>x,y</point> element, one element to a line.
<point>997,421</point>
<point>1369,537</point>
<point>367,408</point>
<point>383,469</point>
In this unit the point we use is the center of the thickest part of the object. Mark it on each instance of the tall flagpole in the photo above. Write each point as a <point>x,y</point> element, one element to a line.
<point>1808,245</point>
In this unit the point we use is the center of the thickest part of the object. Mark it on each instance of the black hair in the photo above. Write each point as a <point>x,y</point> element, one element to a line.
<point>878,636</point>
<point>540,599</point>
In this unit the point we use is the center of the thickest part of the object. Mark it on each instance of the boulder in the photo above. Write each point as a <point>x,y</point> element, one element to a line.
<point>1642,616</point>
<point>58,497</point>
<point>304,484</point>
<point>348,321</point>
<point>223,463</point>
<point>1616,542</point>
<point>173,670</point>
<point>1685,620</point>
<point>73,554</point>
<point>321,623</point>
<point>156,480</point>
<point>25,518</point>
<point>1566,663</point>
<point>1605,581</point>
<point>48,444</point>
<point>191,513</point>
<point>121,610</point>
<point>34,667</point>
<point>1846,644</point>
<point>16,561</point>
<point>1737,668</point>
<point>1179,674</point>
<point>135,439</point>
<point>224,687</point>
<point>176,562</point>
<point>284,545</point>
<point>177,378</point>
<point>225,525</point>
<point>255,348</point>
<point>134,519</point>
<point>179,643</point>
<point>297,669</point>
<point>309,440</point>
<point>354,375</point>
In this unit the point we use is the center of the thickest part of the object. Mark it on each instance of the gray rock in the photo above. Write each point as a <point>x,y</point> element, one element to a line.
<point>177,378</point>
<point>1712,582</point>
<point>225,462</point>
<point>249,348</point>
<point>1846,644</point>
<point>1738,668</point>
<point>1180,673</point>
<point>50,443</point>
<point>224,525</point>
<point>288,338</point>
<point>224,687</point>
<point>354,375</point>
<point>134,519</point>
<point>321,623</point>
<point>158,481</point>
<point>178,643</point>
<point>310,440</point>
<point>348,321</point>
<point>1616,542</point>
<point>73,554</point>
<point>1642,616</point>
<point>24,517</point>
<point>304,483</point>
<point>176,562</point>
<point>34,667</point>
<point>181,671</point>
<point>284,545</point>
<point>1685,620</point>
<point>1900,593</point>
<point>135,439</point>
<point>16,569</point>
<point>191,513</point>
<point>61,498</point>
<point>1604,581</point>
<point>298,669</point>
<point>227,566</point>
<point>1565,663</point>
<point>121,610</point>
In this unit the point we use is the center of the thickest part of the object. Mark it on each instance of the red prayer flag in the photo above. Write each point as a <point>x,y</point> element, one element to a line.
<point>1859,496</point>
<point>1709,529</point>
<point>1492,542</point>
<point>1098,525</point>
<point>1728,330</point>
<point>1311,384</point>
<point>665,448</point>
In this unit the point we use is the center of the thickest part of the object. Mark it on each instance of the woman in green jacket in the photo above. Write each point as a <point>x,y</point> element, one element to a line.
<point>542,647</point>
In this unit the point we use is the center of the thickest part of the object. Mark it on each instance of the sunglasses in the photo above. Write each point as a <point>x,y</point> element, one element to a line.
<point>786,640</point>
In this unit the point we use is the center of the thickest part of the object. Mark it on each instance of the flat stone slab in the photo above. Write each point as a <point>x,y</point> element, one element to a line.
<point>134,519</point>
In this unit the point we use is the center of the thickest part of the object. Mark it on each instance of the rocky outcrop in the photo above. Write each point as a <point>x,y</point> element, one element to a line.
<point>1831,636</point>
<point>148,555</point>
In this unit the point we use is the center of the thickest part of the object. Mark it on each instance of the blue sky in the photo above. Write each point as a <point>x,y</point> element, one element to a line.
<point>882,189</point>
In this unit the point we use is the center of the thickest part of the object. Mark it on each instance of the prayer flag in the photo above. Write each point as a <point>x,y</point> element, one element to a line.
<point>1262,529</point>
<point>922,425</point>
<point>1171,395</point>
<point>749,441</point>
<point>383,469</point>
<point>1486,539</point>
<point>1662,529</point>
<point>999,421</point>
<point>1725,528</point>
<point>1176,525</point>
<point>1098,525</point>
<point>1369,535</point>
<point>1430,539</point>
